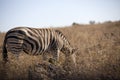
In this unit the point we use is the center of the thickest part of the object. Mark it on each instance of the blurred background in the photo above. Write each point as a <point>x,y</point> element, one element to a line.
<point>56,13</point>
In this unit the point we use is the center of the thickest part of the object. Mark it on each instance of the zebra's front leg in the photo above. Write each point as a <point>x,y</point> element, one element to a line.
<point>56,56</point>
<point>55,59</point>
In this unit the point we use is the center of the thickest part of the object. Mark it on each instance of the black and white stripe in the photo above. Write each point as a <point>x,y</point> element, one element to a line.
<point>36,41</point>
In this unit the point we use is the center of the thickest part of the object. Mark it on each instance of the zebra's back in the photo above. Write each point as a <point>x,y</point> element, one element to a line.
<point>31,40</point>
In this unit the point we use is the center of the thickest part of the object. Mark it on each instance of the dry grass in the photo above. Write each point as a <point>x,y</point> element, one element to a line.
<point>98,57</point>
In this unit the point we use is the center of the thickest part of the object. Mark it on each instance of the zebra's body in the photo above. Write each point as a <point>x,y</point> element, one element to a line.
<point>36,41</point>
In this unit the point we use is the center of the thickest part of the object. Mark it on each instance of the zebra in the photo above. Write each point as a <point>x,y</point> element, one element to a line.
<point>36,41</point>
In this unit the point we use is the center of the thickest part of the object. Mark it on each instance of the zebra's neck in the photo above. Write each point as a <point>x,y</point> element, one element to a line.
<point>66,44</point>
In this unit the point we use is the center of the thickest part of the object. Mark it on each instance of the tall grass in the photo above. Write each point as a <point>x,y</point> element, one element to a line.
<point>98,57</point>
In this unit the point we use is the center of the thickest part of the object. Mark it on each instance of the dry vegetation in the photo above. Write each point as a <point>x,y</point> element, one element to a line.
<point>98,57</point>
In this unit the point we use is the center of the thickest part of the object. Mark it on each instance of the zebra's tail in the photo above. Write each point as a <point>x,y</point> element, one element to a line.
<point>4,51</point>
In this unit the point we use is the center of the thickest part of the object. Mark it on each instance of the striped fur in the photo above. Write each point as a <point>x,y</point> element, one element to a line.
<point>36,42</point>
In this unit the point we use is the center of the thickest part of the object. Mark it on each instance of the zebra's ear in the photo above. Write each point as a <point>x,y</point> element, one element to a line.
<point>74,50</point>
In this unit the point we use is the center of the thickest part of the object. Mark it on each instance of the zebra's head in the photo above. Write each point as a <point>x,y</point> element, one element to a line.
<point>69,51</point>
<point>70,54</point>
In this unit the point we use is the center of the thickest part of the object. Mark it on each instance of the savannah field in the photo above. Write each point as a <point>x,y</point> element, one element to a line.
<point>98,57</point>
